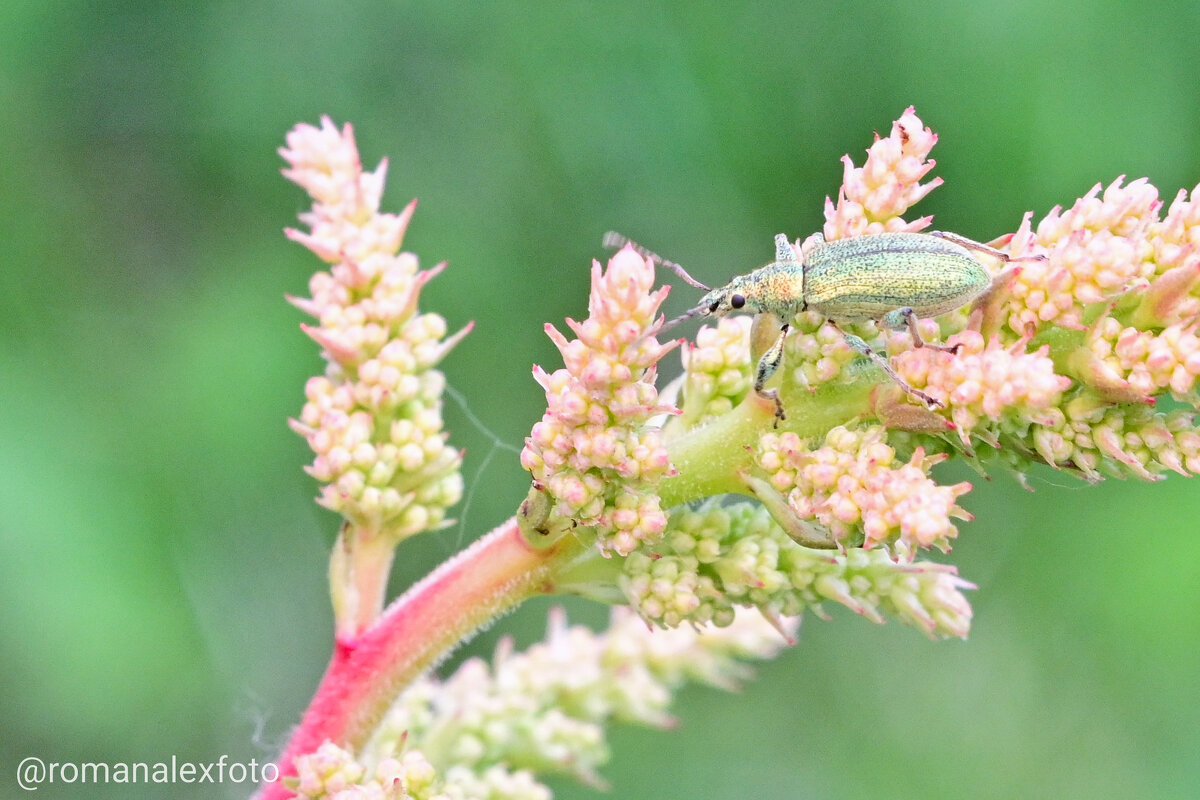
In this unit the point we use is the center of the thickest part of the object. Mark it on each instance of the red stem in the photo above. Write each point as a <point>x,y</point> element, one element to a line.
<point>363,678</point>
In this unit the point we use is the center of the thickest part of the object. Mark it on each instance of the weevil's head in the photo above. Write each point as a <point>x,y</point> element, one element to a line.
<point>737,295</point>
<point>777,287</point>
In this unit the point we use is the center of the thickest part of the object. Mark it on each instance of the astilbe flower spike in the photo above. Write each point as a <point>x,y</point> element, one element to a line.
<point>1084,358</point>
<point>874,196</point>
<point>374,418</point>
<point>717,559</point>
<point>593,458</point>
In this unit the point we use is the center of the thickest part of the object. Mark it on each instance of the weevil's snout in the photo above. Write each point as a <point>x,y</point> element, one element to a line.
<point>720,302</point>
<point>717,303</point>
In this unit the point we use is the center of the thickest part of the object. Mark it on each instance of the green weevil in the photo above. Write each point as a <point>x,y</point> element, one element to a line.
<point>893,279</point>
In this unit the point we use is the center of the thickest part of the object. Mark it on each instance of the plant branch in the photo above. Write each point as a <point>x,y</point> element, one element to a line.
<point>489,578</point>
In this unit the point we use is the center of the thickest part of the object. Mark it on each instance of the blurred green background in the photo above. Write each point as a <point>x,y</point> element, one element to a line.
<point>162,566</point>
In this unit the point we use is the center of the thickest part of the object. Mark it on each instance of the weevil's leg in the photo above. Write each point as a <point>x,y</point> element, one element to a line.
<point>768,365</point>
<point>905,317</point>
<point>859,346</point>
<point>804,533</point>
<point>971,244</point>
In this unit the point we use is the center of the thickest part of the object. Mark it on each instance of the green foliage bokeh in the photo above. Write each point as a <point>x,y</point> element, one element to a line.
<point>162,566</point>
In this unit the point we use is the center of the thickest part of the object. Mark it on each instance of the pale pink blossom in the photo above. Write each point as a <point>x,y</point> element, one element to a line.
<point>593,451</point>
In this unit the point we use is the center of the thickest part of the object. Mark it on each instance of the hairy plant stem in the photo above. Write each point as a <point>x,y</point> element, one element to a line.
<point>709,458</point>
<point>489,578</point>
<point>358,573</point>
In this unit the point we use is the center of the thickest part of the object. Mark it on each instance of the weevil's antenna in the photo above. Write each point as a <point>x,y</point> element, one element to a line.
<point>615,240</point>
<point>671,323</point>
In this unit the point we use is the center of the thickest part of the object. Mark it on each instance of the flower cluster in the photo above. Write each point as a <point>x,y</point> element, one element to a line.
<point>1127,280</point>
<point>593,453</point>
<point>1096,249</point>
<point>988,390</point>
<point>716,370</point>
<point>816,353</point>
<point>487,731</point>
<point>374,418</point>
<point>714,560</point>
<point>1098,439</point>
<point>873,196</point>
<point>1118,300</point>
<point>855,486</point>
<point>332,772</point>
<point>1149,361</point>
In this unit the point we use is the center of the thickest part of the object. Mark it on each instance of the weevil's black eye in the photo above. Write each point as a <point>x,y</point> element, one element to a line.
<point>737,301</point>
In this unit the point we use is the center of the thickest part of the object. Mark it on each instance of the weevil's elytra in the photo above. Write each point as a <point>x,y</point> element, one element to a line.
<point>891,278</point>
<point>867,277</point>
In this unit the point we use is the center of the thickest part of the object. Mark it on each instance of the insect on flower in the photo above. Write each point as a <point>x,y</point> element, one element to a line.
<point>893,279</point>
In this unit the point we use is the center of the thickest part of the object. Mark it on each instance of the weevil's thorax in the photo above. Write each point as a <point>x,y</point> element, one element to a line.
<point>777,288</point>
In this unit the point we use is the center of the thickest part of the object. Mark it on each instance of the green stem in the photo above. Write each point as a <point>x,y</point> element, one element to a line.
<point>710,458</point>
<point>358,572</point>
